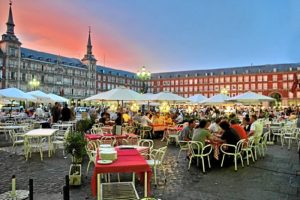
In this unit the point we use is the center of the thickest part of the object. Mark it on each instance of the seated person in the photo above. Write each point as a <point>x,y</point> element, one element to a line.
<point>168,119</point>
<point>229,135</point>
<point>126,117</point>
<point>238,129</point>
<point>187,133</point>
<point>214,127</point>
<point>145,120</point>
<point>202,133</point>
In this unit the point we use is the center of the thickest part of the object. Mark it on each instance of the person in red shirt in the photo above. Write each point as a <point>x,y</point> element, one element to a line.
<point>239,129</point>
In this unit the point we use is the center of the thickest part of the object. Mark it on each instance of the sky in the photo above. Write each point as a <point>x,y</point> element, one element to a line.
<point>163,35</point>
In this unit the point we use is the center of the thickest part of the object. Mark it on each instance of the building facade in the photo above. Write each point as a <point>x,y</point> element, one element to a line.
<point>271,80</point>
<point>69,77</point>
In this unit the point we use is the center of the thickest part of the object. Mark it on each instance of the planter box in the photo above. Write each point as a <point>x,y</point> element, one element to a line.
<point>75,174</point>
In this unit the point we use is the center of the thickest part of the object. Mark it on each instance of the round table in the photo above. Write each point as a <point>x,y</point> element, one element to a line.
<point>20,194</point>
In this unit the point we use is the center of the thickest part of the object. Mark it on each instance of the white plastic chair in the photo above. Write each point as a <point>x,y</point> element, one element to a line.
<point>248,149</point>
<point>236,153</point>
<point>91,150</point>
<point>199,151</point>
<point>290,135</point>
<point>16,139</point>
<point>36,143</point>
<point>146,143</point>
<point>183,146</point>
<point>156,161</point>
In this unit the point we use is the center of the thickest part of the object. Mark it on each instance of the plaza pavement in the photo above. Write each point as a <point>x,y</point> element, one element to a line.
<point>275,177</point>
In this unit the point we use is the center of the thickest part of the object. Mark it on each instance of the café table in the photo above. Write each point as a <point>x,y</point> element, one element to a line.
<point>45,132</point>
<point>118,138</point>
<point>128,161</point>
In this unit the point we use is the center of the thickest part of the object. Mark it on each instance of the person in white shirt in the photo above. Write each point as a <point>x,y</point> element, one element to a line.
<point>39,112</point>
<point>214,127</point>
<point>179,119</point>
<point>145,120</point>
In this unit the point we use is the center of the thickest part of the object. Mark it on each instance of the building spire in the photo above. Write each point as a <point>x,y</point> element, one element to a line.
<point>10,22</point>
<point>89,44</point>
<point>89,54</point>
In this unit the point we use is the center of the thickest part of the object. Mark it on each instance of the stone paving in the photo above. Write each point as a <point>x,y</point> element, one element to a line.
<point>277,176</point>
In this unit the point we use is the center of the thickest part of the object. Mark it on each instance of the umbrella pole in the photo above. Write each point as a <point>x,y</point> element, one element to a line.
<point>148,105</point>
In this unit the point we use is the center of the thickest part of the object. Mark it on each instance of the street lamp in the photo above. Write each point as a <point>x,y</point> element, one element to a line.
<point>34,83</point>
<point>144,75</point>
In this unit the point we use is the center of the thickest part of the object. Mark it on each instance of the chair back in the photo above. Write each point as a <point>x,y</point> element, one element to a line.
<point>239,146</point>
<point>132,140</point>
<point>108,140</point>
<point>158,155</point>
<point>146,143</point>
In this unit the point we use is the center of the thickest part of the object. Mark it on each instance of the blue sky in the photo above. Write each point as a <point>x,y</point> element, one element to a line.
<point>163,35</point>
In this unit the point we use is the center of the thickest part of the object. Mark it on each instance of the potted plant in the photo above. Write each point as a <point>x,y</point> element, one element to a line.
<point>75,145</point>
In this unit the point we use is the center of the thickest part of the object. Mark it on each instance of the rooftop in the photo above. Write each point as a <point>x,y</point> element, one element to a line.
<point>50,58</point>
<point>229,71</point>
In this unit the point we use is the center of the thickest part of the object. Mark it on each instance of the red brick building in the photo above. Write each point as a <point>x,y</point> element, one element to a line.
<point>271,80</point>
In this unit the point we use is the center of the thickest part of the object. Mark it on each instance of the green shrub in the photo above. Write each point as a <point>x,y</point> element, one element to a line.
<point>84,125</point>
<point>75,145</point>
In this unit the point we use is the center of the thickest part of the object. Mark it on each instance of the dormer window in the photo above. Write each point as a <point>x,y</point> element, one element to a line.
<point>274,69</point>
<point>187,75</point>
<point>222,73</point>
<point>233,72</point>
<point>291,69</point>
<point>247,71</point>
<point>211,73</point>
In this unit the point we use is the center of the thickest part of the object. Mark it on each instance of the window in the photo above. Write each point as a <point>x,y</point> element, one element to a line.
<point>211,80</point>
<point>233,87</point>
<point>265,86</point>
<point>205,80</point>
<point>284,77</point>
<point>217,88</point>
<point>274,77</point>
<point>233,79</point>
<point>195,81</point>
<point>191,89</point>
<point>195,88</point>
<point>246,86</point>
<point>246,78</point>
<point>216,80</point>
<point>191,81</point>
<point>181,82</point>
<point>222,80</point>
<point>23,77</point>
<point>253,79</point>
<point>274,86</point>
<point>176,82</point>
<point>240,79</point>
<point>265,78</point>
<point>186,81</point>
<point>291,77</point>
<point>259,86</point>
<point>252,86</point>
<point>200,80</point>
<point>227,79</point>
<point>284,86</point>
<point>259,78</point>
<point>240,87</point>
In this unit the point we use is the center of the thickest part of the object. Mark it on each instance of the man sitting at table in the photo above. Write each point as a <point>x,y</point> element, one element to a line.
<point>238,129</point>
<point>214,127</point>
<point>187,133</point>
<point>256,129</point>
<point>202,133</point>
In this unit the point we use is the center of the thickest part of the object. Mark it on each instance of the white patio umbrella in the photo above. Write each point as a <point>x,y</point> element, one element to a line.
<point>216,100</point>
<point>16,94</point>
<point>250,97</point>
<point>197,98</point>
<point>57,98</point>
<point>117,94</point>
<point>41,96</point>
<point>168,96</point>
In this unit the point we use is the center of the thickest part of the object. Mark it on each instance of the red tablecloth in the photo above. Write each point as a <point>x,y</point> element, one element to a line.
<point>129,160</point>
